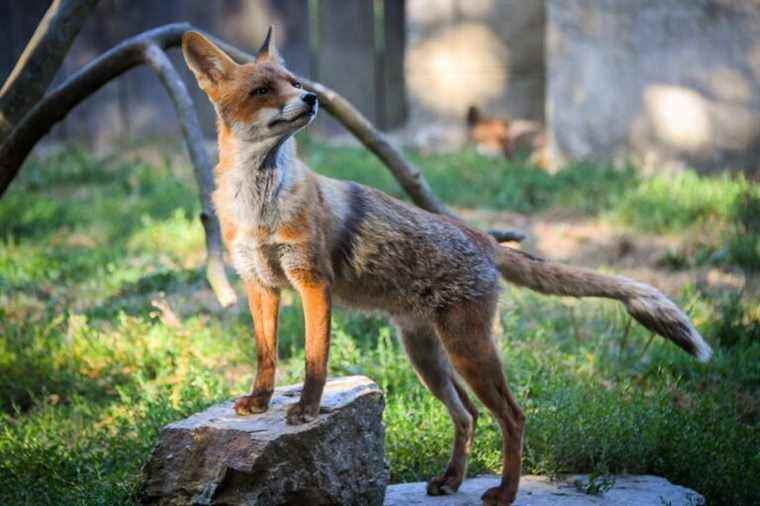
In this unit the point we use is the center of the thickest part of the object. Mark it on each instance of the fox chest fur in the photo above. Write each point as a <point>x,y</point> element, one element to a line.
<point>252,202</point>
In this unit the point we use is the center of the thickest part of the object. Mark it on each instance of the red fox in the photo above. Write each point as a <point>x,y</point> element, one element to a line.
<point>330,240</point>
<point>506,137</point>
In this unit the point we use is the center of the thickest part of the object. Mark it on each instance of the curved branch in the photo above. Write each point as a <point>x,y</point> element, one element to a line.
<point>159,62</point>
<point>59,102</point>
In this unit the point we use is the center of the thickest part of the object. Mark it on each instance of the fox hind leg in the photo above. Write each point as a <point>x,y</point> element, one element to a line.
<point>429,360</point>
<point>465,331</point>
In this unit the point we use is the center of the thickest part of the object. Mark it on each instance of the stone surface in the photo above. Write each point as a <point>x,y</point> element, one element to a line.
<point>218,457</point>
<point>540,491</point>
<point>668,84</point>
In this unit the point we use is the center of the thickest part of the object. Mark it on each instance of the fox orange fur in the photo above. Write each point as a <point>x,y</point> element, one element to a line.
<point>338,241</point>
<point>501,136</point>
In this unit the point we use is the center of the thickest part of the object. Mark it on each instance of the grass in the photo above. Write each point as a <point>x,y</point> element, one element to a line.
<point>90,371</point>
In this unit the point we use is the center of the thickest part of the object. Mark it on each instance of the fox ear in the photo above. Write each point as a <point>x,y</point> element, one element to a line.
<point>473,115</point>
<point>209,63</point>
<point>268,51</point>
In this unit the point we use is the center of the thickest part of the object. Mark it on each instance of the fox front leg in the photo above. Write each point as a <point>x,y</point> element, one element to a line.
<point>316,300</point>
<point>264,304</point>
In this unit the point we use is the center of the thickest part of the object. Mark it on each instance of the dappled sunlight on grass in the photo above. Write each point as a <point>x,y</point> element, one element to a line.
<point>179,237</point>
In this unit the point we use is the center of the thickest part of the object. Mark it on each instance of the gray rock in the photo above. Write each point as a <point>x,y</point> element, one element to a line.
<point>540,491</point>
<point>218,457</point>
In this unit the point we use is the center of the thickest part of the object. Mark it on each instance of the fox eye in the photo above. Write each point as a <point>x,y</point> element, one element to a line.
<point>297,84</point>
<point>261,90</point>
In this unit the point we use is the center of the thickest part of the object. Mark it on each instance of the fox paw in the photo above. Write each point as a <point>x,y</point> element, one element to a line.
<point>250,405</point>
<point>298,414</point>
<point>443,485</point>
<point>497,496</point>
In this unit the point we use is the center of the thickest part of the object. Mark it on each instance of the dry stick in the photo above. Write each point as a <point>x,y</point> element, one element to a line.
<point>147,48</point>
<point>624,340</point>
<point>157,60</point>
<point>408,176</point>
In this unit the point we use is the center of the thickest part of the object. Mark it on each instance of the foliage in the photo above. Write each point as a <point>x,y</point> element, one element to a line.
<point>90,370</point>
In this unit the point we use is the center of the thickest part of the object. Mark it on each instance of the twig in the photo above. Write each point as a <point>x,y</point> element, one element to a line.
<point>624,339</point>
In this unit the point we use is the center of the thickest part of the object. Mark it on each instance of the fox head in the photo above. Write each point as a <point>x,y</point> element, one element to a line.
<point>256,101</point>
<point>491,136</point>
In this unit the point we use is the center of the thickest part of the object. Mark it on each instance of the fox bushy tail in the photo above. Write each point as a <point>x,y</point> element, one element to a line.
<point>643,302</point>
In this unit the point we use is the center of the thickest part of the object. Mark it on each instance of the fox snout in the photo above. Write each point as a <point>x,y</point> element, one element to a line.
<point>298,112</point>
<point>310,99</point>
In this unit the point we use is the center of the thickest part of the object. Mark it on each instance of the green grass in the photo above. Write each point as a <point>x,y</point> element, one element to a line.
<point>89,372</point>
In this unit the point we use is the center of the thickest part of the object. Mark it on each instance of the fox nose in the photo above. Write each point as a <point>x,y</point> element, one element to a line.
<point>309,98</point>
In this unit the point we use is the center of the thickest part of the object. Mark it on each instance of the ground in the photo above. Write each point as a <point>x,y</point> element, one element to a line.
<point>108,331</point>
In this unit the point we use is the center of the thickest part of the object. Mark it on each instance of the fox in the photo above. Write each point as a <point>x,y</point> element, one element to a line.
<point>502,136</point>
<point>338,242</point>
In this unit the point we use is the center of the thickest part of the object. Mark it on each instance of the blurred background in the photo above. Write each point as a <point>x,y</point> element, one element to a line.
<point>665,84</point>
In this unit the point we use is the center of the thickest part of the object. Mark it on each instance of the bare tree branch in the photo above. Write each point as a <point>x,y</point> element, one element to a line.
<point>41,59</point>
<point>157,60</point>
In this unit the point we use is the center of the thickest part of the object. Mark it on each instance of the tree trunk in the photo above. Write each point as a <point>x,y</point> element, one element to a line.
<point>41,59</point>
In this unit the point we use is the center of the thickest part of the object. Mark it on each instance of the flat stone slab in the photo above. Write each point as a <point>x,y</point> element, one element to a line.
<point>540,491</point>
<point>220,457</point>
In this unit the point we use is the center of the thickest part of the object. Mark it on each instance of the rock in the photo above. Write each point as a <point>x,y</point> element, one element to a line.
<point>218,457</point>
<point>540,491</point>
